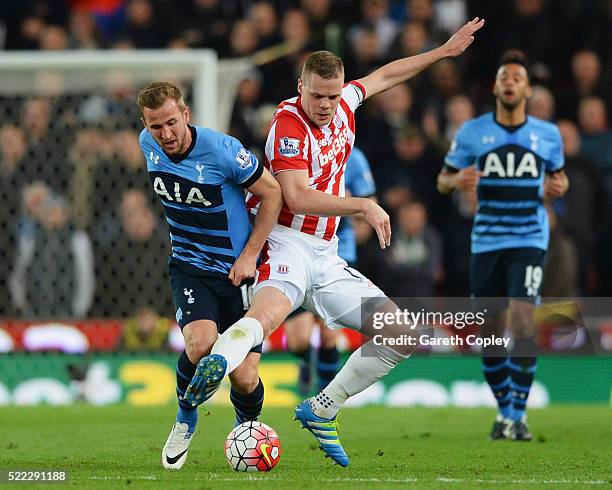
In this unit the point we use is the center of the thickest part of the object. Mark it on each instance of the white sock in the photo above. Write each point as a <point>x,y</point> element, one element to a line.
<point>236,342</point>
<point>360,372</point>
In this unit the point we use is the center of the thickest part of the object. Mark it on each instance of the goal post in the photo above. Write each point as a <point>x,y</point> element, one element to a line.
<point>79,233</point>
<point>214,82</point>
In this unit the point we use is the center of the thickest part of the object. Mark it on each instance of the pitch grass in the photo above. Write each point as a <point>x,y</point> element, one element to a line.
<point>119,447</point>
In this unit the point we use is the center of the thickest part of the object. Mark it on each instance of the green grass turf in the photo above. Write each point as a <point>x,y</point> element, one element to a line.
<point>119,447</point>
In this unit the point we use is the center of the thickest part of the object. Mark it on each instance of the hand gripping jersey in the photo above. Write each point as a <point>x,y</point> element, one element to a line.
<point>295,143</point>
<point>513,161</point>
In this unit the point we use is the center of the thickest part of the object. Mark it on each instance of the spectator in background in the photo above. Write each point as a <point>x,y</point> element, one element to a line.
<point>46,154</point>
<point>414,262</point>
<point>282,72</point>
<point>583,210</point>
<point>12,153</point>
<point>586,70</point>
<point>146,331</point>
<point>534,29</point>
<point>265,19</point>
<point>26,20</point>
<point>142,28</point>
<point>370,260</point>
<point>53,274</point>
<point>243,39</point>
<point>418,164</point>
<point>83,31</point>
<point>561,269</point>
<point>389,113</point>
<point>375,15</point>
<point>541,104</point>
<point>244,122</point>
<point>262,119</point>
<point>450,14</point>
<point>365,57</point>
<point>445,82</point>
<point>422,12</point>
<point>53,38</point>
<point>296,30</point>
<point>596,136</point>
<point>123,169</point>
<point>129,266</point>
<point>84,156</point>
<point>587,81</point>
<point>457,110</point>
<point>396,196</point>
<point>411,40</point>
<point>319,17</point>
<point>205,23</point>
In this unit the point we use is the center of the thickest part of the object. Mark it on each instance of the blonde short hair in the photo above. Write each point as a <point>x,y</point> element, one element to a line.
<point>325,64</point>
<point>155,95</point>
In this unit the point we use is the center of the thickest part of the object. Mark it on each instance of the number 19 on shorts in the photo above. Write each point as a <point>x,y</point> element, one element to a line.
<point>533,279</point>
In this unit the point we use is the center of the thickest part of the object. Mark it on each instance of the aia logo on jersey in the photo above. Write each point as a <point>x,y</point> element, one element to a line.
<point>282,269</point>
<point>511,165</point>
<point>289,147</point>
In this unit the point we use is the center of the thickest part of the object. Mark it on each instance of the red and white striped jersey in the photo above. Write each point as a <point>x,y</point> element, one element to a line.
<point>295,143</point>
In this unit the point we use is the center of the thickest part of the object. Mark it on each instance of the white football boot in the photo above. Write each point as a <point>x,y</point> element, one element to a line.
<point>174,453</point>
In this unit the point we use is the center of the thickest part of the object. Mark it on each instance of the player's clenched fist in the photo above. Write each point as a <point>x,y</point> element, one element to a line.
<point>468,178</point>
<point>244,268</point>
<point>555,185</point>
<point>379,220</point>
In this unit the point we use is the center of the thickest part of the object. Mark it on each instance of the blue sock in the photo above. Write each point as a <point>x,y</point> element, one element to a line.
<point>522,372</point>
<point>248,407</point>
<point>184,372</point>
<point>328,362</point>
<point>495,370</point>
<point>189,417</point>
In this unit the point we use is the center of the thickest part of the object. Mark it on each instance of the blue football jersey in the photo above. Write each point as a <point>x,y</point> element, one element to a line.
<point>203,196</point>
<point>513,162</point>
<point>360,183</point>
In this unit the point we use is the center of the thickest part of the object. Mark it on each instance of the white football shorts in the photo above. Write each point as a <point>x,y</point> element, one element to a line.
<point>308,270</point>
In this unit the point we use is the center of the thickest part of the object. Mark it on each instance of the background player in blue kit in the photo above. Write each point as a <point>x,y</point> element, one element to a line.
<point>514,161</point>
<point>298,328</point>
<point>200,176</point>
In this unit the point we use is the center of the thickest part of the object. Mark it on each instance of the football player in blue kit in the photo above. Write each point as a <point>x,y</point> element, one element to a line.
<point>513,161</point>
<point>200,176</point>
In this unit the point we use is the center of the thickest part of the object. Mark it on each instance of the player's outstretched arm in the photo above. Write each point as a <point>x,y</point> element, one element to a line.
<point>301,199</point>
<point>267,189</point>
<point>399,71</point>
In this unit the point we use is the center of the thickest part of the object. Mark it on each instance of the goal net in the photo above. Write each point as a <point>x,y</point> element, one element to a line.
<point>80,233</point>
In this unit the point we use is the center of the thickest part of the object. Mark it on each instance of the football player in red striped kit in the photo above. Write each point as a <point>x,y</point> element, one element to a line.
<point>309,142</point>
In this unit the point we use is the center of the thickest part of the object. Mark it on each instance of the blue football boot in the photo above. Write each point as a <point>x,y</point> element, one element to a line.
<point>325,431</point>
<point>206,380</point>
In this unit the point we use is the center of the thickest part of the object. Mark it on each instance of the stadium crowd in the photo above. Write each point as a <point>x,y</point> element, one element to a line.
<point>76,207</point>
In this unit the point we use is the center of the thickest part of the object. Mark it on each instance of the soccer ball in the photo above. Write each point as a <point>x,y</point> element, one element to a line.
<point>252,446</point>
